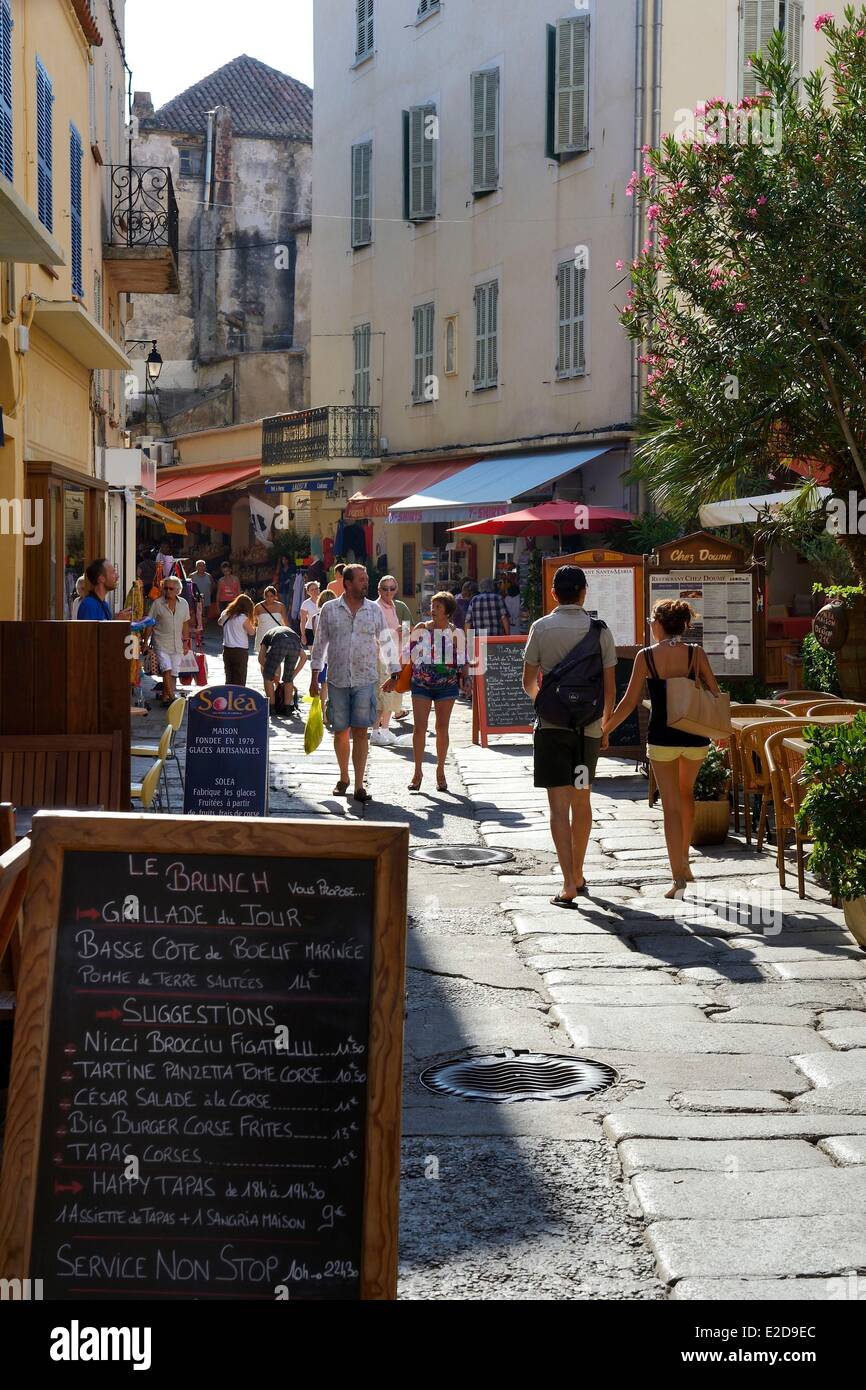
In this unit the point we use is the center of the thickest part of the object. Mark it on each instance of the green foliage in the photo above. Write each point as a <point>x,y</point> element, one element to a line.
<point>712,780</point>
<point>834,808</point>
<point>290,542</point>
<point>644,533</point>
<point>747,300</point>
<point>844,593</point>
<point>747,690</point>
<point>819,667</point>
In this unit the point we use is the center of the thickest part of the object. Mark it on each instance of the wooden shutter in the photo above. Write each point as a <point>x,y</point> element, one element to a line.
<point>361,345</point>
<point>422,320</point>
<point>75,156</point>
<point>571,300</point>
<point>485,131</point>
<point>364,32</point>
<point>578,332</point>
<point>425,6</point>
<point>6,159</point>
<point>572,85</point>
<point>486,372</point>
<point>362,210</point>
<point>758,19</point>
<point>794,35</point>
<point>422,165</point>
<point>44,142</point>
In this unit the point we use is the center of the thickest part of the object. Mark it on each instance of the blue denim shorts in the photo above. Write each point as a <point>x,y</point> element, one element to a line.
<point>352,707</point>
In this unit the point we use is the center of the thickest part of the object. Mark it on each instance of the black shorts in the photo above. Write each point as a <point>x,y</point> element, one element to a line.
<point>564,758</point>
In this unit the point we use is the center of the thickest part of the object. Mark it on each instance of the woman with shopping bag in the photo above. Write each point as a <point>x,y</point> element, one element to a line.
<point>688,710</point>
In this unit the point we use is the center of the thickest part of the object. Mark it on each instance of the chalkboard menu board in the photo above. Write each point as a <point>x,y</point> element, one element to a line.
<point>500,704</point>
<point>226,753</point>
<point>207,1123</point>
<point>626,740</point>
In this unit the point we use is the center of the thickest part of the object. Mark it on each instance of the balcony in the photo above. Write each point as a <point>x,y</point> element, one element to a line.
<point>312,436</point>
<point>141,252</point>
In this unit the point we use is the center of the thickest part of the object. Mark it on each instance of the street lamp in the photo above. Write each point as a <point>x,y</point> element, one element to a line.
<point>152,368</point>
<point>153,364</point>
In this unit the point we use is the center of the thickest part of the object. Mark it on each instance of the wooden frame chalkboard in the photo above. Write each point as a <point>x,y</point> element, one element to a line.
<point>481,725</point>
<point>59,841</point>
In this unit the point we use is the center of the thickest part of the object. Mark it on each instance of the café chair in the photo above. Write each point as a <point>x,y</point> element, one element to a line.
<point>754,771</point>
<point>173,720</point>
<point>745,712</point>
<point>813,695</point>
<point>789,789</point>
<point>836,707</point>
<point>147,790</point>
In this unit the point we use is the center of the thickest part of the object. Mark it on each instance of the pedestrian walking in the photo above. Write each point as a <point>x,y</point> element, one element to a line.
<point>80,593</point>
<point>102,579</point>
<point>228,587</point>
<point>348,638</point>
<point>201,580</point>
<point>396,616</point>
<point>284,579</point>
<point>675,756</point>
<point>281,647</point>
<point>336,584</point>
<point>309,615</point>
<point>486,613</point>
<point>510,592</point>
<point>170,634</point>
<point>467,593</point>
<point>436,665</point>
<point>238,625</point>
<point>269,614</point>
<point>575,656</point>
<point>326,596</point>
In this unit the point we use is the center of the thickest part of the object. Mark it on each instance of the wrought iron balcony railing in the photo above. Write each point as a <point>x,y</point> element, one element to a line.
<point>328,432</point>
<point>143,207</point>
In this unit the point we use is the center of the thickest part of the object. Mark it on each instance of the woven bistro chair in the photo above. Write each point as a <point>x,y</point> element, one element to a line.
<point>813,695</point>
<point>785,766</point>
<point>746,712</point>
<point>823,707</point>
<point>754,771</point>
<point>800,707</point>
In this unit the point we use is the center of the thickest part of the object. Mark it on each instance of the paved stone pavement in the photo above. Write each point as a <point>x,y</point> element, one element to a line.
<point>728,1160</point>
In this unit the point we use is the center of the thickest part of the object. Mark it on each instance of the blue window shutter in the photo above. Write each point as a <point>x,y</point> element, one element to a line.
<point>6,164</point>
<point>75,155</point>
<point>44,140</point>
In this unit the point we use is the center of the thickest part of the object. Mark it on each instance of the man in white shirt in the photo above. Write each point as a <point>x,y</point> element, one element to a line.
<point>348,639</point>
<point>170,634</point>
<point>565,759</point>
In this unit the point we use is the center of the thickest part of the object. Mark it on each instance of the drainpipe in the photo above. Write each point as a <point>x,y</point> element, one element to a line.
<point>657,75</point>
<point>637,210</point>
<point>208,161</point>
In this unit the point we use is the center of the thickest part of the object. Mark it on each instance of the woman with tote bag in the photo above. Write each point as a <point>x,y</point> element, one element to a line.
<point>684,717</point>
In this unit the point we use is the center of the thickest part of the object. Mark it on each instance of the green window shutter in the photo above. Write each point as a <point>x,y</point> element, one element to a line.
<point>486,373</point>
<point>361,348</point>
<point>794,35</point>
<point>550,111</point>
<point>758,19</point>
<point>362,194</point>
<point>6,161</point>
<point>485,130</point>
<point>571,135</point>
<point>406,125</point>
<point>422,333</point>
<point>422,163</point>
<point>565,300</point>
<point>364,30</point>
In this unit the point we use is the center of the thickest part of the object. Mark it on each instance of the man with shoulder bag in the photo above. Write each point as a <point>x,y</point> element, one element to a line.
<point>575,656</point>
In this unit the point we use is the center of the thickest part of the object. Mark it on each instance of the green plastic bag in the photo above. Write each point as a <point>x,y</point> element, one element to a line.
<point>315,730</point>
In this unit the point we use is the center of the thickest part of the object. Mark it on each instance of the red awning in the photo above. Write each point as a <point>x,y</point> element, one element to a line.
<point>548,519</point>
<point>397,483</point>
<point>813,469</point>
<point>196,483</point>
<point>221,522</point>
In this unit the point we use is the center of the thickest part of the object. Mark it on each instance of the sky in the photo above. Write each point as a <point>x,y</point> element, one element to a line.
<point>170,44</point>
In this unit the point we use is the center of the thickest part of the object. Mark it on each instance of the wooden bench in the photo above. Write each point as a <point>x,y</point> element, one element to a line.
<point>63,771</point>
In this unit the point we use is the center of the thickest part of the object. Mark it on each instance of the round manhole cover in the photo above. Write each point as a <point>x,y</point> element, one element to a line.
<point>508,1076</point>
<point>461,856</point>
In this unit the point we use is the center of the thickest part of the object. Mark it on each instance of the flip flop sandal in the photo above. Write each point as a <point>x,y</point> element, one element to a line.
<point>560,901</point>
<point>341,789</point>
<point>362,795</point>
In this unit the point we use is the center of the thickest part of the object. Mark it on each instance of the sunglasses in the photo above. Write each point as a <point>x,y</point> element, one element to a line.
<point>390,589</point>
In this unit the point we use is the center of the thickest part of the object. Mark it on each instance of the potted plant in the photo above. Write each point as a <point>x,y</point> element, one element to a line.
<point>712,807</point>
<point>833,815</point>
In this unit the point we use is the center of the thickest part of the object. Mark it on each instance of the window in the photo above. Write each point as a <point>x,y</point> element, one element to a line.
<point>423,382</point>
<point>364,32</point>
<point>420,142</point>
<point>75,155</point>
<point>361,352</point>
<point>451,362</point>
<point>97,314</point>
<point>190,165</point>
<point>6,162</point>
<point>486,372</point>
<point>109,143</point>
<point>92,129</point>
<point>426,7</point>
<point>571,300</point>
<point>362,194</point>
<point>568,87</point>
<point>485,131</point>
<point>44,139</point>
<point>758,20</point>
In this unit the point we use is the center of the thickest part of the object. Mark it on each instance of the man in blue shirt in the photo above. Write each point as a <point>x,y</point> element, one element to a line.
<point>102,578</point>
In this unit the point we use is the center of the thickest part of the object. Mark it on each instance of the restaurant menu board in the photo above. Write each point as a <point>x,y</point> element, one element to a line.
<point>610,596</point>
<point>203,1121</point>
<point>722,600</point>
<point>501,704</point>
<point>226,753</point>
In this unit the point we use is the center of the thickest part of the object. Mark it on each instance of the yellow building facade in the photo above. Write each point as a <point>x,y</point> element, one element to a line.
<point>64,302</point>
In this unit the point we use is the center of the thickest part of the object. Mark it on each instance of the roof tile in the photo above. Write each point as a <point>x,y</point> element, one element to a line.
<point>262,101</point>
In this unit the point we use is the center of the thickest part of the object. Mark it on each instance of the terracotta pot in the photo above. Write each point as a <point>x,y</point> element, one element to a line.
<point>851,659</point>
<point>855,919</point>
<point>712,819</point>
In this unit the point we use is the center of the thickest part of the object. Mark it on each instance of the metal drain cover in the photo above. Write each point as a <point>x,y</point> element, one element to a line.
<point>461,856</point>
<point>509,1075</point>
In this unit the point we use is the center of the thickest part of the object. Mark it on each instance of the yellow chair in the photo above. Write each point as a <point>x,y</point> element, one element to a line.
<point>754,770</point>
<point>147,790</point>
<point>165,748</point>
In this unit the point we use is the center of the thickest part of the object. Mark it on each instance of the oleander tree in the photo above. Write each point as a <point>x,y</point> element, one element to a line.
<point>749,297</point>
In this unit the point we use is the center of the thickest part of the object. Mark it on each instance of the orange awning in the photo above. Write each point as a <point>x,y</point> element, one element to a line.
<point>197,482</point>
<point>395,484</point>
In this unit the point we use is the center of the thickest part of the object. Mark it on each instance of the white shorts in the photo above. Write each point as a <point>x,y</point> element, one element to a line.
<point>168,661</point>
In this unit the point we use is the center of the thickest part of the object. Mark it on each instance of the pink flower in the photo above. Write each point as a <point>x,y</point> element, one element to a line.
<point>678,424</point>
<point>823,20</point>
<point>761,201</point>
<point>652,212</point>
<point>620,265</point>
<point>860,33</point>
<point>739,307</point>
<point>753,212</point>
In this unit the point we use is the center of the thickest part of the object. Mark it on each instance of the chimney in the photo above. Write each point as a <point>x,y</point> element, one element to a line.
<point>142,104</point>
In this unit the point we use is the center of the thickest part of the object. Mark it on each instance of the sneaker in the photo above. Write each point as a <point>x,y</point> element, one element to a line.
<point>382,738</point>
